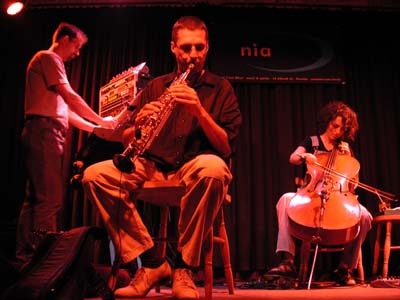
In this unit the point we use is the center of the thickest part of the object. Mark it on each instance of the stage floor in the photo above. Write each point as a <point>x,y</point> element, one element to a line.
<point>364,292</point>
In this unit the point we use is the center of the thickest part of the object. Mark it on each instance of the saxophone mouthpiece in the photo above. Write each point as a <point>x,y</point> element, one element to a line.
<point>190,67</point>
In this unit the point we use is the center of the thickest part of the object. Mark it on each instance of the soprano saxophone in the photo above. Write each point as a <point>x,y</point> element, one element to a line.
<point>148,129</point>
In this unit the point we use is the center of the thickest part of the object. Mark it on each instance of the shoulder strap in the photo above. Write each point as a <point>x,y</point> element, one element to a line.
<point>314,141</point>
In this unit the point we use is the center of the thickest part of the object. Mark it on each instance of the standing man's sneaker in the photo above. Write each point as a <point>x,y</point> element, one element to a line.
<point>143,281</point>
<point>183,286</point>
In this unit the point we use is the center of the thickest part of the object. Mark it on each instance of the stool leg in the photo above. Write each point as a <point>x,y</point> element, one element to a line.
<point>377,249</point>
<point>208,265</point>
<point>113,277</point>
<point>225,253</point>
<point>304,258</point>
<point>162,234</point>
<point>360,267</point>
<point>386,249</point>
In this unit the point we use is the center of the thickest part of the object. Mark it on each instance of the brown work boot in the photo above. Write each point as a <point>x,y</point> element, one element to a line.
<point>183,286</point>
<point>143,281</point>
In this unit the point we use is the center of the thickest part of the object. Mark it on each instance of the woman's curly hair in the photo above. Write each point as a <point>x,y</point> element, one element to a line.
<point>334,109</point>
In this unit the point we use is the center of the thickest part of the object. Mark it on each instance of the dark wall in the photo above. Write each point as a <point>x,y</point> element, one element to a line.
<point>276,116</point>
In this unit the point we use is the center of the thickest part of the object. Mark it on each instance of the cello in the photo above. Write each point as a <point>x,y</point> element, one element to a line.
<point>325,210</point>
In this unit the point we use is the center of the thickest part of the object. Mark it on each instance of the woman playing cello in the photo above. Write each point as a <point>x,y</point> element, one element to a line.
<point>337,123</point>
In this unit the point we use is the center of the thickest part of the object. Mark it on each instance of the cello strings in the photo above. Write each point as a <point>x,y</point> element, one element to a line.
<point>386,195</point>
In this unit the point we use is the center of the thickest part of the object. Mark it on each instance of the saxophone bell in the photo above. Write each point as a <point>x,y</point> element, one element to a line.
<point>124,161</point>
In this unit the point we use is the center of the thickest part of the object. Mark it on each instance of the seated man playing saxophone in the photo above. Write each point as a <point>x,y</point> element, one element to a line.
<point>192,147</point>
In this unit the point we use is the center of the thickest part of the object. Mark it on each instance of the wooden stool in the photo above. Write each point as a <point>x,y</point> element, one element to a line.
<point>166,194</point>
<point>305,251</point>
<point>381,220</point>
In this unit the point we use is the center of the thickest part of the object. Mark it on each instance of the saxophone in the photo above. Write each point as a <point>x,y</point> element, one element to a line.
<point>148,129</point>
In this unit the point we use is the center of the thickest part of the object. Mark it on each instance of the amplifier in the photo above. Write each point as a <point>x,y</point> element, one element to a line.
<point>119,91</point>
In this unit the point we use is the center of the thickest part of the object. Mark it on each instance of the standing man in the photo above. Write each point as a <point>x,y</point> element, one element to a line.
<point>51,105</point>
<point>193,147</point>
